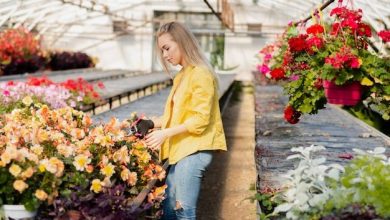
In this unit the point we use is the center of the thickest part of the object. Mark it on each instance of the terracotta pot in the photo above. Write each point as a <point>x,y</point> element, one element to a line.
<point>347,94</point>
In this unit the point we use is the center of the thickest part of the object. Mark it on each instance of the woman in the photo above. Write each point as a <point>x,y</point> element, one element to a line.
<point>191,127</point>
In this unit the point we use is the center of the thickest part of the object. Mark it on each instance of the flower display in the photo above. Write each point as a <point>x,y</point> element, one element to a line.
<point>47,154</point>
<point>333,53</point>
<point>73,93</point>
<point>20,52</point>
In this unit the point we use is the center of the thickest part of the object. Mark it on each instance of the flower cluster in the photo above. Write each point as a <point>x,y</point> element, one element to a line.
<point>45,154</point>
<point>74,93</point>
<point>384,35</point>
<point>20,51</point>
<point>291,115</point>
<point>337,53</point>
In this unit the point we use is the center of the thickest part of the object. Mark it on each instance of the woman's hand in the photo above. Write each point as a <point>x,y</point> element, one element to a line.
<point>156,138</point>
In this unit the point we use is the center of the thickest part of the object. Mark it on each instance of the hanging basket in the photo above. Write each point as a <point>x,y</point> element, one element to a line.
<point>18,212</point>
<point>348,94</point>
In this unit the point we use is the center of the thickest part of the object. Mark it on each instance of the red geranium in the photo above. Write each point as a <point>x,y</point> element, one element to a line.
<point>291,115</point>
<point>364,30</point>
<point>384,35</point>
<point>277,73</point>
<point>315,29</point>
<point>297,44</point>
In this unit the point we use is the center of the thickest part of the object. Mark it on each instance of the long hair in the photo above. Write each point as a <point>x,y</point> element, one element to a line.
<point>188,46</point>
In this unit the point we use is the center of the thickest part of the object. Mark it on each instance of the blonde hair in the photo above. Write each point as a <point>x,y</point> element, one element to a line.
<point>188,46</point>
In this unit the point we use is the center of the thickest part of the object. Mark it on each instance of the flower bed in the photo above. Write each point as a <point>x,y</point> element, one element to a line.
<point>73,93</point>
<point>58,161</point>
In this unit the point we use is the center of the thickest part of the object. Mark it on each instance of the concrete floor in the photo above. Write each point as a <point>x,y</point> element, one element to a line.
<point>230,176</point>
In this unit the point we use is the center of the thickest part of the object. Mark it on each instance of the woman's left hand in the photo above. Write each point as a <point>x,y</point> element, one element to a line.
<point>156,138</point>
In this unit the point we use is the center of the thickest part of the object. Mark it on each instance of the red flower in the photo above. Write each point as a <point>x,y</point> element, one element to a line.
<point>318,83</point>
<point>314,41</point>
<point>364,30</point>
<point>277,73</point>
<point>298,43</point>
<point>291,115</point>
<point>315,29</point>
<point>10,83</point>
<point>335,28</point>
<point>384,35</point>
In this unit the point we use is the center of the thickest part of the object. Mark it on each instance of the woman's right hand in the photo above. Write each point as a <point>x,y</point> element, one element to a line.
<point>156,138</point>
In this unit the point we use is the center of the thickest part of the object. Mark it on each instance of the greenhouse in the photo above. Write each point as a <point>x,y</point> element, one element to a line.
<point>190,109</point>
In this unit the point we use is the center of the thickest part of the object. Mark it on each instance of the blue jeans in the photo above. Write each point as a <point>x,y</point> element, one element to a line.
<point>183,180</point>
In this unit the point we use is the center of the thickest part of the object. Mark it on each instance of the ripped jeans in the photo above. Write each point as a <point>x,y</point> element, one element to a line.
<point>184,180</point>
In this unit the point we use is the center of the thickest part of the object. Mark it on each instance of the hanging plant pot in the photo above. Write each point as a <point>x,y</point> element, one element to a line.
<point>18,212</point>
<point>348,94</point>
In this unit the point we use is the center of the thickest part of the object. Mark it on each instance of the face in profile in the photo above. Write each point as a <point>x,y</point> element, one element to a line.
<point>170,49</point>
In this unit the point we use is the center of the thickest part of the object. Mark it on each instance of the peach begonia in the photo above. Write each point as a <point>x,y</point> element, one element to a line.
<point>20,185</point>
<point>122,155</point>
<point>41,195</point>
<point>15,170</point>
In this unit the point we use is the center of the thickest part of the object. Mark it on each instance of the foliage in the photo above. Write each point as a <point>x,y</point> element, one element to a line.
<point>366,181</point>
<point>69,60</point>
<point>318,191</point>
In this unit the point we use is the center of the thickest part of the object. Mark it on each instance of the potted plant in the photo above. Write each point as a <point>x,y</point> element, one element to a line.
<point>46,154</point>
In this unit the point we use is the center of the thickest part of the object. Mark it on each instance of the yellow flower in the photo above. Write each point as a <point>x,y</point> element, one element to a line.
<point>37,149</point>
<point>27,100</point>
<point>41,195</point>
<point>81,162</point>
<point>386,97</point>
<point>15,170</point>
<point>108,170</point>
<point>20,185</point>
<point>96,185</point>
<point>41,168</point>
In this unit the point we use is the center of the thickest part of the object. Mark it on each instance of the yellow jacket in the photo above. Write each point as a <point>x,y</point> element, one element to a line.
<point>196,105</point>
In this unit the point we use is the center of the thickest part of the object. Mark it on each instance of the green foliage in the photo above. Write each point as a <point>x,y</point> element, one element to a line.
<point>366,181</point>
<point>303,94</point>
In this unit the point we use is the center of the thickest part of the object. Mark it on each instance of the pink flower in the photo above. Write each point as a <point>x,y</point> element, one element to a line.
<point>263,69</point>
<point>6,93</point>
<point>355,63</point>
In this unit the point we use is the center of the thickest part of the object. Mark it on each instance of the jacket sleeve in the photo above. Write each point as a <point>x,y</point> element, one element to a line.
<point>199,109</point>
